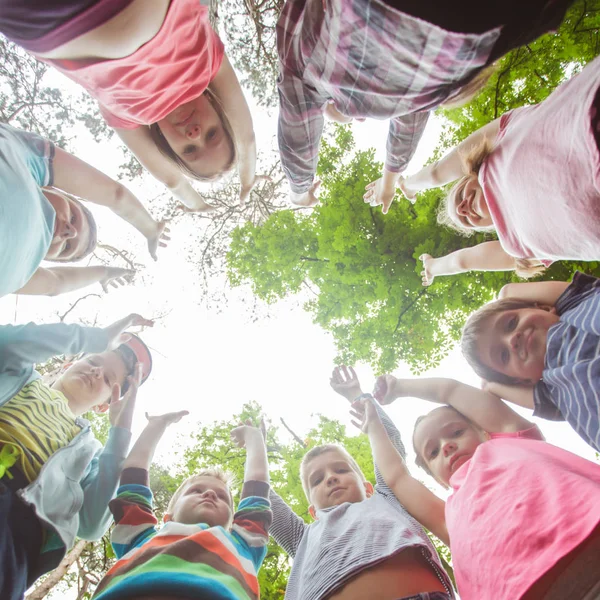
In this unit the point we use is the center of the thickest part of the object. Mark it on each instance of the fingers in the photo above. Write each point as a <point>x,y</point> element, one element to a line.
<point>115,393</point>
<point>380,388</point>
<point>386,204</point>
<point>139,321</point>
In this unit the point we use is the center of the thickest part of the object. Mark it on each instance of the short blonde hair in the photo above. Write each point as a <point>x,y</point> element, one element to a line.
<point>476,324</point>
<point>227,478</point>
<point>323,449</point>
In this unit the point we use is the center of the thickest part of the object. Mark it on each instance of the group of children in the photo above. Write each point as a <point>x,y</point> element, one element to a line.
<point>522,520</point>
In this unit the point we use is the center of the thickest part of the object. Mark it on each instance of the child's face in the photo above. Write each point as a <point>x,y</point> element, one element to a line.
<point>514,343</point>
<point>332,481</point>
<point>196,134</point>
<point>445,440</point>
<point>71,229</point>
<point>89,382</point>
<point>469,208</point>
<point>205,500</point>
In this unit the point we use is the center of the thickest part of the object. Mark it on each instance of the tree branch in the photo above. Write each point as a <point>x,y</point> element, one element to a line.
<point>294,435</point>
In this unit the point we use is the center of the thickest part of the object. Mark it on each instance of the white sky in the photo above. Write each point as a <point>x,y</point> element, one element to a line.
<point>212,363</point>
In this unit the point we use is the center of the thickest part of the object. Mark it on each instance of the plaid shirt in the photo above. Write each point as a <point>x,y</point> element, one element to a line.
<point>372,61</point>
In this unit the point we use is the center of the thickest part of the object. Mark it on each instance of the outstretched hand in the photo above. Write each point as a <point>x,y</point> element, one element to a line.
<point>166,419</point>
<point>345,382</point>
<point>380,193</point>
<point>406,191</point>
<point>115,276</point>
<point>308,198</point>
<point>116,337</point>
<point>427,276</point>
<point>385,390</point>
<point>242,434</point>
<point>364,415</point>
<point>160,237</point>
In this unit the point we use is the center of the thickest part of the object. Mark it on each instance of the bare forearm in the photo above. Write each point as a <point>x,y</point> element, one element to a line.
<point>247,163</point>
<point>488,256</point>
<point>60,280</point>
<point>257,464</point>
<point>388,460</point>
<point>521,395</point>
<point>142,453</point>
<point>130,209</point>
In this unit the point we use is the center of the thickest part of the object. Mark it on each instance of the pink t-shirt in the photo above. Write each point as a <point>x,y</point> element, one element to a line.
<point>519,505</point>
<point>174,67</point>
<point>542,180</point>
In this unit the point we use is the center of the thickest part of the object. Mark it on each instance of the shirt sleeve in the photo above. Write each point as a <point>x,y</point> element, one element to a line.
<point>396,440</point>
<point>253,518</point>
<point>39,155</point>
<point>132,510</point>
<point>288,528</point>
<point>100,484</point>
<point>581,288</point>
<point>300,129</point>
<point>533,433</point>
<point>543,405</point>
<point>23,345</point>
<point>403,139</point>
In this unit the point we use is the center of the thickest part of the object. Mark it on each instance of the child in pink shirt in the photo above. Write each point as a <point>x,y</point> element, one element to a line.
<point>522,519</point>
<point>163,82</point>
<point>533,177</point>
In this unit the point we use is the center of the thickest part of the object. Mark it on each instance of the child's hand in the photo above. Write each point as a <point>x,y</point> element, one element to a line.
<point>121,410</point>
<point>245,433</point>
<point>379,193</point>
<point>116,276</point>
<point>308,198</point>
<point>408,193</point>
<point>385,389</point>
<point>115,331</point>
<point>160,237</point>
<point>167,419</point>
<point>365,416</point>
<point>345,382</point>
<point>427,275</point>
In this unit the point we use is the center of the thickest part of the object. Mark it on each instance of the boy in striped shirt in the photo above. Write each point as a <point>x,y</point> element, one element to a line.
<point>204,550</point>
<point>539,347</point>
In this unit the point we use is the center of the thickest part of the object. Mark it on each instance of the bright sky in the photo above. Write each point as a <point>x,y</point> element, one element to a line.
<point>211,363</point>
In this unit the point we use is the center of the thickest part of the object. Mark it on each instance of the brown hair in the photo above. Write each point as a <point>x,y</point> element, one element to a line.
<point>159,139</point>
<point>318,451</point>
<point>227,478</point>
<point>476,324</point>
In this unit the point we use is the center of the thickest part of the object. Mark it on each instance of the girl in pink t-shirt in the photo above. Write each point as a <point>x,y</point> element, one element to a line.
<point>160,76</point>
<point>522,521</point>
<point>533,176</point>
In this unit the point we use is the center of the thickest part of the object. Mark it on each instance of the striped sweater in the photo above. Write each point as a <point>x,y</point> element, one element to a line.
<point>194,561</point>
<point>348,538</point>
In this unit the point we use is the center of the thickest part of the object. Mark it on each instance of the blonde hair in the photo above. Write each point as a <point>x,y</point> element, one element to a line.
<point>467,92</point>
<point>476,324</point>
<point>471,162</point>
<point>318,451</point>
<point>165,148</point>
<point>227,478</point>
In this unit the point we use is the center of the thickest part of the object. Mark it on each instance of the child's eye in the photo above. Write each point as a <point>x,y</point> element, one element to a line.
<point>458,432</point>
<point>212,133</point>
<point>512,323</point>
<point>342,470</point>
<point>73,219</point>
<point>317,481</point>
<point>433,453</point>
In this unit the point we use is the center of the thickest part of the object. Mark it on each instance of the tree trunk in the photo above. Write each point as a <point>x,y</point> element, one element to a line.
<point>55,576</point>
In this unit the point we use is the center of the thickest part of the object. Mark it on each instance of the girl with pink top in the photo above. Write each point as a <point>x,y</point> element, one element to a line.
<point>523,517</point>
<point>533,176</point>
<point>160,76</point>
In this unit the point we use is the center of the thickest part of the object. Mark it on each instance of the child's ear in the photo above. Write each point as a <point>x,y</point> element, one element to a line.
<point>167,517</point>
<point>369,488</point>
<point>312,512</point>
<point>546,307</point>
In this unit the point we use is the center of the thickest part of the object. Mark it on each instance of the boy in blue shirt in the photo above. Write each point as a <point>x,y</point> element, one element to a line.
<point>56,479</point>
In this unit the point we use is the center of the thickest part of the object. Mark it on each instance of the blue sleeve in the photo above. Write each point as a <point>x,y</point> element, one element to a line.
<point>543,404</point>
<point>37,152</point>
<point>23,345</point>
<point>251,523</point>
<point>100,484</point>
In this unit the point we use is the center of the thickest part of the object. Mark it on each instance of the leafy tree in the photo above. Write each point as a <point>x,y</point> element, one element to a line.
<point>362,267</point>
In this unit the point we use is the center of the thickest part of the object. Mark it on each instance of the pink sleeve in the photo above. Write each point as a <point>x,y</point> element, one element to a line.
<point>533,433</point>
<point>114,121</point>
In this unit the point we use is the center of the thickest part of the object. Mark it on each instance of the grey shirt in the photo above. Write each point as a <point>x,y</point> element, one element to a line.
<point>348,538</point>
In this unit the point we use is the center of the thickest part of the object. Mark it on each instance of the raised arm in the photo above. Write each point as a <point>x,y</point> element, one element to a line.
<point>77,177</point>
<point>299,134</point>
<point>484,409</point>
<point>422,504</point>
<point>141,144</point>
<point>450,167</point>
<point>543,292</point>
<point>287,528</point>
<point>60,280</point>
<point>257,465</point>
<point>488,256</point>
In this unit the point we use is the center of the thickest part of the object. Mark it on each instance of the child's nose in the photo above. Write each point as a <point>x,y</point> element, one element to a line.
<point>67,231</point>
<point>449,448</point>
<point>193,132</point>
<point>515,341</point>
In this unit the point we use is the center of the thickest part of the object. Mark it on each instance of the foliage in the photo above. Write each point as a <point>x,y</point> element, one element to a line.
<point>362,267</point>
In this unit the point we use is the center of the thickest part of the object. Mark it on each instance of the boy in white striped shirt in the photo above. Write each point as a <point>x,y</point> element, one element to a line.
<point>362,543</point>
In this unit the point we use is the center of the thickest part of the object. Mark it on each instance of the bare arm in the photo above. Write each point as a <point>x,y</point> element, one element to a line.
<point>488,256</point>
<point>75,176</point>
<point>483,408</point>
<point>141,144</point>
<point>449,168</point>
<point>521,395</point>
<point>543,292</point>
<point>257,465</point>
<point>421,503</point>
<point>60,280</point>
